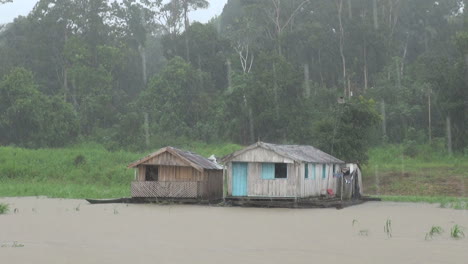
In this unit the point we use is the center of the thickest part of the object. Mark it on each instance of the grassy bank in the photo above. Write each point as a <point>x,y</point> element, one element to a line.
<point>443,201</point>
<point>83,171</point>
<point>426,172</point>
<point>91,171</point>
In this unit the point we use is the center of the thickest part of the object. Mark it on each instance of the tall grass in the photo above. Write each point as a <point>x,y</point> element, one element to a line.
<point>394,157</point>
<point>460,203</point>
<point>4,208</point>
<point>435,230</point>
<point>457,232</point>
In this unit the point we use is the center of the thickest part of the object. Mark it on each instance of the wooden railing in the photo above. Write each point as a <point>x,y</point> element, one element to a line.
<point>183,189</point>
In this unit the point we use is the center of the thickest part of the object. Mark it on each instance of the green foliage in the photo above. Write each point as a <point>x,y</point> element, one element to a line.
<point>30,118</point>
<point>4,208</point>
<point>388,228</point>
<point>346,135</point>
<point>435,230</point>
<point>457,232</point>
<point>244,76</point>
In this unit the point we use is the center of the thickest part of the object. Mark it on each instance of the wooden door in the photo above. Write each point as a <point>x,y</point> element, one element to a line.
<point>239,179</point>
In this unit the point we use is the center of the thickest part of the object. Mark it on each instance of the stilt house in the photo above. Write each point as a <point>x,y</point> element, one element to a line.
<point>173,173</point>
<point>292,171</point>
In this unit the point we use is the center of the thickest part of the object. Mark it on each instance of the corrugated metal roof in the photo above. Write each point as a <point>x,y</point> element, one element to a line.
<point>196,160</point>
<point>300,153</point>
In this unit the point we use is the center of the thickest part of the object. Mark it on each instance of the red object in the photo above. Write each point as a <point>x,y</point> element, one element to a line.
<point>330,192</point>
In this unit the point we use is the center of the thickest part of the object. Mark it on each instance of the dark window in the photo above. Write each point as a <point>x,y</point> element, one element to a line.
<point>151,173</point>
<point>281,170</point>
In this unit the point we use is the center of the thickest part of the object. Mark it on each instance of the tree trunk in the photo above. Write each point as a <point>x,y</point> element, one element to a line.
<point>187,25</point>
<point>397,68</point>
<point>449,136</point>
<point>73,96</point>
<point>275,91</point>
<point>320,70</point>
<point>146,127</point>
<point>343,59</point>
<point>229,77</point>
<point>350,10</point>
<point>65,83</point>
<point>365,69</point>
<point>142,51</point>
<point>306,81</point>
<point>251,126</point>
<point>376,15</point>
<point>429,116</point>
<point>384,121</point>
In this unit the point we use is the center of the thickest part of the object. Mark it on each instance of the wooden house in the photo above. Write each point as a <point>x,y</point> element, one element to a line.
<point>293,171</point>
<point>173,173</point>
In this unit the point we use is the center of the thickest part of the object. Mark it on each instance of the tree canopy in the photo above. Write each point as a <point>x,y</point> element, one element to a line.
<point>341,75</point>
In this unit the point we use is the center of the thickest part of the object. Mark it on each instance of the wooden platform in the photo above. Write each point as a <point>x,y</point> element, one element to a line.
<point>287,202</point>
<point>263,202</point>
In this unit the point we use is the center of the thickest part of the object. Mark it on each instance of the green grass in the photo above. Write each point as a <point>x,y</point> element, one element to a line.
<point>4,208</point>
<point>435,230</point>
<point>429,171</point>
<point>81,171</point>
<point>460,203</point>
<point>388,228</point>
<point>457,232</point>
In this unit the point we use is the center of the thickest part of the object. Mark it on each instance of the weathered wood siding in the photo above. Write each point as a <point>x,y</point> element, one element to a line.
<point>212,188</point>
<point>179,182</point>
<point>174,174</point>
<point>166,159</point>
<point>261,155</point>
<point>316,186</point>
<point>141,173</point>
<point>256,186</point>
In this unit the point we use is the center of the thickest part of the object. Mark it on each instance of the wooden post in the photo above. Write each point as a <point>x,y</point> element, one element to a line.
<point>341,191</point>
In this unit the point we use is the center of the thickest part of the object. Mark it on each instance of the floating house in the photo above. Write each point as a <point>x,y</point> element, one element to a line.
<point>289,171</point>
<point>177,174</point>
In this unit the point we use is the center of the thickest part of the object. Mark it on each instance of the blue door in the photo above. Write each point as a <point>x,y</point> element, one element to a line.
<point>239,179</point>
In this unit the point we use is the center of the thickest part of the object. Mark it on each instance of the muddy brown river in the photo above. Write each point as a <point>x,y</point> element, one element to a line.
<point>49,231</point>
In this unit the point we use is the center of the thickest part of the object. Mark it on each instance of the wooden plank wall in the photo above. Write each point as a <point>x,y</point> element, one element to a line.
<point>167,159</point>
<point>261,155</point>
<point>256,186</point>
<point>214,184</point>
<point>174,174</point>
<point>317,186</point>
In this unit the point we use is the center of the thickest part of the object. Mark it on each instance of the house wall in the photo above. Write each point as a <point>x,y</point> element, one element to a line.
<point>173,173</point>
<point>167,159</point>
<point>316,186</point>
<point>256,186</point>
<point>212,188</point>
<point>261,155</point>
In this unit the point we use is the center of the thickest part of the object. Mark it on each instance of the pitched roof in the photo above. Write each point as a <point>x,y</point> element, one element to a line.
<point>300,153</point>
<point>193,159</point>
